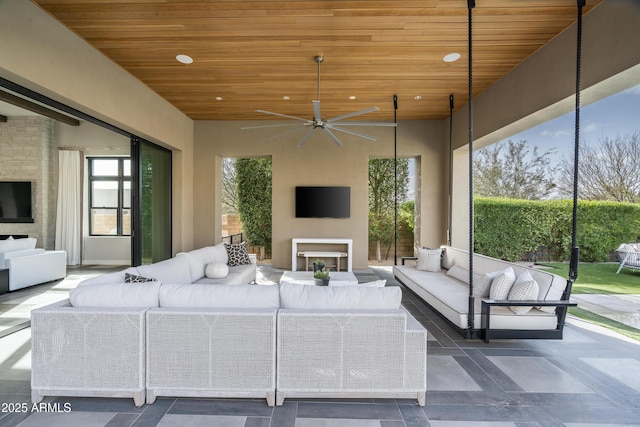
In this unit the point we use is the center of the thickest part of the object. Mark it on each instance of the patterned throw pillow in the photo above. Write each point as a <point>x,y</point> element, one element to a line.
<point>524,288</point>
<point>238,254</point>
<point>482,286</point>
<point>132,278</point>
<point>502,284</point>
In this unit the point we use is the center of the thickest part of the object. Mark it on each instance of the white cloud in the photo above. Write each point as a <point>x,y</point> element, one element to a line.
<point>592,127</point>
<point>556,134</point>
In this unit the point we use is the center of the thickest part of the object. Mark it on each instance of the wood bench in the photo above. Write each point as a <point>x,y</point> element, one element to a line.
<point>316,254</point>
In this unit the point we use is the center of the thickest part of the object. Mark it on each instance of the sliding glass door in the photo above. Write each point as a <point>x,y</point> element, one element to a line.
<point>151,233</point>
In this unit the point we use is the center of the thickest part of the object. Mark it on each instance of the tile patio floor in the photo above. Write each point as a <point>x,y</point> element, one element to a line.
<point>591,378</point>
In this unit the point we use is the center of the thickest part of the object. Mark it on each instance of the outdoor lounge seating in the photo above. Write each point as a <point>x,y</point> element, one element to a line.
<point>143,340</point>
<point>446,290</point>
<point>628,257</point>
<point>28,265</point>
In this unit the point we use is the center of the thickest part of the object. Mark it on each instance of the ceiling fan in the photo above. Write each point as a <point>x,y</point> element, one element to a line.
<point>318,122</point>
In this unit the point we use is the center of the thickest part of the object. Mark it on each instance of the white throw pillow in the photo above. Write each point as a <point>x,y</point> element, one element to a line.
<point>459,273</point>
<point>502,284</point>
<point>524,288</point>
<point>482,286</point>
<point>429,259</point>
<point>116,295</point>
<point>339,297</point>
<point>216,270</point>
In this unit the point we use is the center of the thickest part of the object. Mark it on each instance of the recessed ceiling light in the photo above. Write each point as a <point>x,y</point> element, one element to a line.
<point>352,97</point>
<point>185,59</point>
<point>417,97</point>
<point>452,57</point>
<point>218,98</point>
<point>286,98</point>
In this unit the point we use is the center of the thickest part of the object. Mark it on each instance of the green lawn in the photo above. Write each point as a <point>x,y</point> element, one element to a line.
<point>600,278</point>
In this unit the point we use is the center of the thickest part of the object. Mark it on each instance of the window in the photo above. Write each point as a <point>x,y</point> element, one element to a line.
<point>110,196</point>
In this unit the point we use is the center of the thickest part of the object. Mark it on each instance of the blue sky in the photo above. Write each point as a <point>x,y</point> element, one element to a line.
<point>615,115</point>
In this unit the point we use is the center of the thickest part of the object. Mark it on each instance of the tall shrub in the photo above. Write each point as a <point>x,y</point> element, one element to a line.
<point>508,228</point>
<point>254,200</point>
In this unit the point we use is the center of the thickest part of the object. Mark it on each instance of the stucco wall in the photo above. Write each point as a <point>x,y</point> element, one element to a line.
<point>318,163</point>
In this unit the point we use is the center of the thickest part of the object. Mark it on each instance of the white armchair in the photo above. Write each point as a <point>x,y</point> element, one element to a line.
<point>29,265</point>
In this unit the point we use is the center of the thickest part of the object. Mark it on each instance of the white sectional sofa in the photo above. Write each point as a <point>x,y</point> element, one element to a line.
<point>29,265</point>
<point>187,267</point>
<point>143,340</point>
<point>445,288</point>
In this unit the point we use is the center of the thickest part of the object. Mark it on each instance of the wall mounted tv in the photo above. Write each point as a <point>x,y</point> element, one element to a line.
<point>15,201</point>
<point>323,202</point>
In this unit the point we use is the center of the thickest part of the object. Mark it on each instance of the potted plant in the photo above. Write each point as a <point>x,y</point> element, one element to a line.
<point>321,277</point>
<point>318,265</point>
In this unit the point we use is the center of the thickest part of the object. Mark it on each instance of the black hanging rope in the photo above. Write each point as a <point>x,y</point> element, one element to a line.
<point>449,220</point>
<point>395,180</point>
<point>575,250</point>
<point>470,317</point>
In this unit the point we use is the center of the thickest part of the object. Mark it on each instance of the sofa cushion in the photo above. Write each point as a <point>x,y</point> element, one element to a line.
<point>429,259</point>
<point>199,258</point>
<point>238,254</point>
<point>18,244</point>
<point>221,296</point>
<point>502,284</point>
<point>524,288</point>
<point>116,277</point>
<point>172,270</point>
<point>339,297</point>
<point>216,270</point>
<point>116,295</point>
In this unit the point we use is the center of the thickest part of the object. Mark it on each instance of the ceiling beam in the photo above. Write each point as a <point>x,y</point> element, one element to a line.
<point>37,108</point>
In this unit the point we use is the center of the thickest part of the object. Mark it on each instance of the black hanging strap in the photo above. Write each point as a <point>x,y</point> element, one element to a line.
<point>471,314</point>
<point>449,220</point>
<point>395,180</point>
<point>575,250</point>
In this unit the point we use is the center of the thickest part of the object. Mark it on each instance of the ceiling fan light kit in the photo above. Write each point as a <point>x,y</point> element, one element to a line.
<point>318,122</point>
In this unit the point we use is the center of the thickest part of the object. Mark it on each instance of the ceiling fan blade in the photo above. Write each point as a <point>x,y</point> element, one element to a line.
<point>283,134</point>
<point>332,136</point>
<point>352,132</point>
<point>270,126</point>
<point>365,124</point>
<point>317,117</point>
<point>355,113</point>
<point>306,137</point>
<point>283,115</point>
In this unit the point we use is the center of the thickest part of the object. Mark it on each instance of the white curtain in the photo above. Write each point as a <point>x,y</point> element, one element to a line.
<point>69,214</point>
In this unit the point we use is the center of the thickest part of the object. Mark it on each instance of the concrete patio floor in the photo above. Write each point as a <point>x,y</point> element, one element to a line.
<point>590,378</point>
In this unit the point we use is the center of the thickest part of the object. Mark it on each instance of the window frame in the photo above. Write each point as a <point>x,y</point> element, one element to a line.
<point>120,178</point>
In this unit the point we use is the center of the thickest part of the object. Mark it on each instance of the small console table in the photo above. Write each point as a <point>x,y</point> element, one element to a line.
<point>321,241</point>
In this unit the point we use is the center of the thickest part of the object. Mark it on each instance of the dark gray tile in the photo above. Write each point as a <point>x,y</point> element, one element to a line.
<point>122,420</point>
<point>473,413</point>
<point>414,416</point>
<point>285,415</point>
<point>152,414</point>
<point>258,422</point>
<point>365,411</point>
<point>247,408</point>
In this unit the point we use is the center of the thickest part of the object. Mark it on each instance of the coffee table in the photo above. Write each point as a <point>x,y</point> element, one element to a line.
<point>336,278</point>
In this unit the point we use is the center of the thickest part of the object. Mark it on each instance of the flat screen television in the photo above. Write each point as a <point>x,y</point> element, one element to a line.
<point>323,202</point>
<point>15,201</point>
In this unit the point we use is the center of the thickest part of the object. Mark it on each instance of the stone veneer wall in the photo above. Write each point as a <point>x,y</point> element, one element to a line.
<point>28,153</point>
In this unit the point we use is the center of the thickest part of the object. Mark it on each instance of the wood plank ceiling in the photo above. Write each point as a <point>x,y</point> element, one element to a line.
<point>248,55</point>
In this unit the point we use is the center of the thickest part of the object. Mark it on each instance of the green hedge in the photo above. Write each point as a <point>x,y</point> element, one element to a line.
<point>508,228</point>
